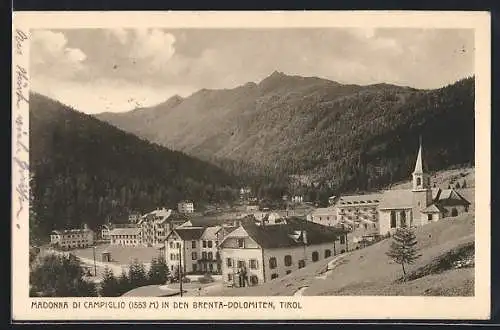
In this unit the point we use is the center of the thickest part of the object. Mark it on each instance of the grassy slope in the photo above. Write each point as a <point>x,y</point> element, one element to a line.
<point>369,271</point>
<point>446,177</point>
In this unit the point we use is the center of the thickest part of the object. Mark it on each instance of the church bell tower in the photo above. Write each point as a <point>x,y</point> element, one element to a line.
<point>422,193</point>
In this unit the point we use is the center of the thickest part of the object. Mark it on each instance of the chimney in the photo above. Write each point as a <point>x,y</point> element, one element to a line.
<point>304,237</point>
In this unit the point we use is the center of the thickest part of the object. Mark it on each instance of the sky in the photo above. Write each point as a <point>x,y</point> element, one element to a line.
<point>116,70</point>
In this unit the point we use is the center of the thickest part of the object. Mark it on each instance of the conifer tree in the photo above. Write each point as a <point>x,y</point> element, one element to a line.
<point>158,271</point>
<point>109,285</point>
<point>403,248</point>
<point>137,274</point>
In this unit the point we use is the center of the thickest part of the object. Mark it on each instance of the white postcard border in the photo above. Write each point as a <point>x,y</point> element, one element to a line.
<point>320,308</point>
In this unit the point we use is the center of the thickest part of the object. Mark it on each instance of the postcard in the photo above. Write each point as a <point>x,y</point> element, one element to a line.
<point>251,165</point>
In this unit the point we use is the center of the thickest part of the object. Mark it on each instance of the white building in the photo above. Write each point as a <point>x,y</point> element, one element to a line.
<point>421,204</point>
<point>72,238</point>
<point>195,247</point>
<point>371,215</point>
<point>155,226</point>
<point>297,199</point>
<point>134,217</point>
<point>359,211</point>
<point>266,252</point>
<point>185,207</point>
<point>128,236</point>
<point>326,216</point>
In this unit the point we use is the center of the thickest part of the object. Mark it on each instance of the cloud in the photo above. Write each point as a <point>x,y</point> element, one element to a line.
<point>51,55</point>
<point>154,45</point>
<point>172,61</point>
<point>105,95</point>
<point>120,34</point>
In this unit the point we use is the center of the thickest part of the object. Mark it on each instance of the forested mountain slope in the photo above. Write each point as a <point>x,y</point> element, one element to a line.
<point>346,137</point>
<point>84,170</point>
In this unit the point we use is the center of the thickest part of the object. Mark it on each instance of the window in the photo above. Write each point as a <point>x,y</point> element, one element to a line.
<point>241,243</point>
<point>366,226</point>
<point>230,277</point>
<point>195,267</point>
<point>194,256</point>
<point>210,256</point>
<point>204,244</point>
<point>178,245</point>
<point>229,262</point>
<point>241,264</point>
<point>253,264</point>
<point>429,217</point>
<point>403,218</point>
<point>210,244</point>
<point>217,255</point>
<point>172,256</point>
<point>328,253</point>
<point>393,219</point>
<point>204,255</point>
<point>211,266</point>
<point>272,263</point>
<point>254,280</point>
<point>342,239</point>
<point>288,272</point>
<point>315,256</point>
<point>193,244</point>
<point>302,264</point>
<point>273,276</point>
<point>419,181</point>
<point>288,260</point>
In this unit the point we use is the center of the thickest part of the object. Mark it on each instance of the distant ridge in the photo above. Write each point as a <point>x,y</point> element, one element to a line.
<point>348,137</point>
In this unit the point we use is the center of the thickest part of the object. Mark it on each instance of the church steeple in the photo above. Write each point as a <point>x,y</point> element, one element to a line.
<point>422,194</point>
<point>419,166</point>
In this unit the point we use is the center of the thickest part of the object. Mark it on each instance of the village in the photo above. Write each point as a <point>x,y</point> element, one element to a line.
<point>250,244</point>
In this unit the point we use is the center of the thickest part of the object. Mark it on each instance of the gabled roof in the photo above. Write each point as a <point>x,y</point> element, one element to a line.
<point>159,215</point>
<point>125,231</point>
<point>359,199</point>
<point>71,231</point>
<point>282,235</point>
<point>188,233</point>
<point>433,208</point>
<point>397,199</point>
<point>210,233</point>
<point>324,210</point>
<point>451,197</point>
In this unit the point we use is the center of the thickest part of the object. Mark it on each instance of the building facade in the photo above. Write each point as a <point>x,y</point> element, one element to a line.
<point>155,226</point>
<point>185,207</point>
<point>370,215</point>
<point>326,216</point>
<point>195,248</point>
<point>130,236</point>
<point>255,253</point>
<point>72,238</point>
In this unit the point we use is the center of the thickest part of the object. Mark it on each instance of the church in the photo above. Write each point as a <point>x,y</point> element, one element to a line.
<point>371,215</point>
<point>421,204</point>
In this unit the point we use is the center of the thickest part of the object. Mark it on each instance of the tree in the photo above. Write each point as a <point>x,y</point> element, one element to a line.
<point>403,248</point>
<point>60,276</point>
<point>158,271</point>
<point>464,185</point>
<point>457,185</point>
<point>109,285</point>
<point>137,274</point>
<point>124,283</point>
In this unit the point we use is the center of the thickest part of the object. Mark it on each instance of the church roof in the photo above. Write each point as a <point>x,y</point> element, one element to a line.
<point>397,199</point>
<point>451,197</point>
<point>433,208</point>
